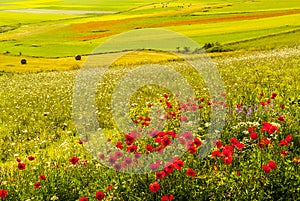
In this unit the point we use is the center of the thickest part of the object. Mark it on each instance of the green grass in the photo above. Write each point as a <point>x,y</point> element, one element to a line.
<point>27,18</point>
<point>290,39</point>
<point>106,5</point>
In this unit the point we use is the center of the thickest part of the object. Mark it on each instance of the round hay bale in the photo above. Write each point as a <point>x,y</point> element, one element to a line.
<point>23,61</point>
<point>77,57</point>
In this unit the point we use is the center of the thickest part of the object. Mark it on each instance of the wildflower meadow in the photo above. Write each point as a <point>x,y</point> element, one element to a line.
<point>255,157</point>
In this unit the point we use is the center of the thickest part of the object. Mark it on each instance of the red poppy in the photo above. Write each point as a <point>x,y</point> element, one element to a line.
<point>37,184</point>
<point>273,95</point>
<point>31,158</point>
<point>160,175</point>
<point>178,164</point>
<point>127,160</point>
<point>100,195</point>
<point>183,118</point>
<point>149,148</point>
<point>192,149</point>
<point>145,123</point>
<point>74,160</point>
<point>129,139</point>
<point>112,159</point>
<point>283,152</point>
<point>238,173</point>
<point>197,142</point>
<point>282,106</point>
<point>227,160</point>
<point>101,156</point>
<point>3,193</point>
<point>169,168</point>
<point>296,160</point>
<point>166,141</point>
<point>154,166</point>
<point>172,134</point>
<point>226,153</point>
<point>269,128</point>
<point>251,129</point>
<point>168,104</point>
<point>272,164</point>
<point>229,147</point>
<point>117,166</point>
<point>158,139</point>
<point>266,168</point>
<point>288,138</point>
<point>119,145</point>
<point>119,154</point>
<point>263,142</point>
<point>83,199</point>
<point>240,146</point>
<point>42,177</point>
<point>18,160</point>
<point>159,149</point>
<point>182,141</point>
<point>109,187</point>
<point>283,143</point>
<point>261,94</point>
<point>190,172</point>
<point>167,197</point>
<point>216,153</point>
<point>280,118</point>
<point>21,166</point>
<point>147,119</point>
<point>154,187</point>
<point>188,136</point>
<point>137,155</point>
<point>253,135</point>
<point>219,144</point>
<point>234,141</point>
<point>165,95</point>
<point>132,148</point>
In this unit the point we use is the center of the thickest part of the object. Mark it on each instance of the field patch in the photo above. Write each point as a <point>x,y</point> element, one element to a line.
<point>62,12</point>
<point>229,18</point>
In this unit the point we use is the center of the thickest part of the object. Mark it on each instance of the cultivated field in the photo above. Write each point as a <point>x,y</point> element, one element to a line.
<point>234,25</point>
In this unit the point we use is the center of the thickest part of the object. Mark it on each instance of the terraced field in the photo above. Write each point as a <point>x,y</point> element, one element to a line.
<point>233,25</point>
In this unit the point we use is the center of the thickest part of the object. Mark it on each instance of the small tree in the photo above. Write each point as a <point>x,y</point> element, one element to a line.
<point>23,61</point>
<point>77,57</point>
<point>186,49</point>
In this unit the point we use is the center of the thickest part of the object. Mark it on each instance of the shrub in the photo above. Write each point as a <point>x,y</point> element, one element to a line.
<point>77,57</point>
<point>23,61</point>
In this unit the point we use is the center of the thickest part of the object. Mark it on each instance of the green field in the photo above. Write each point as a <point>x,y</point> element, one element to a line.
<point>225,22</point>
